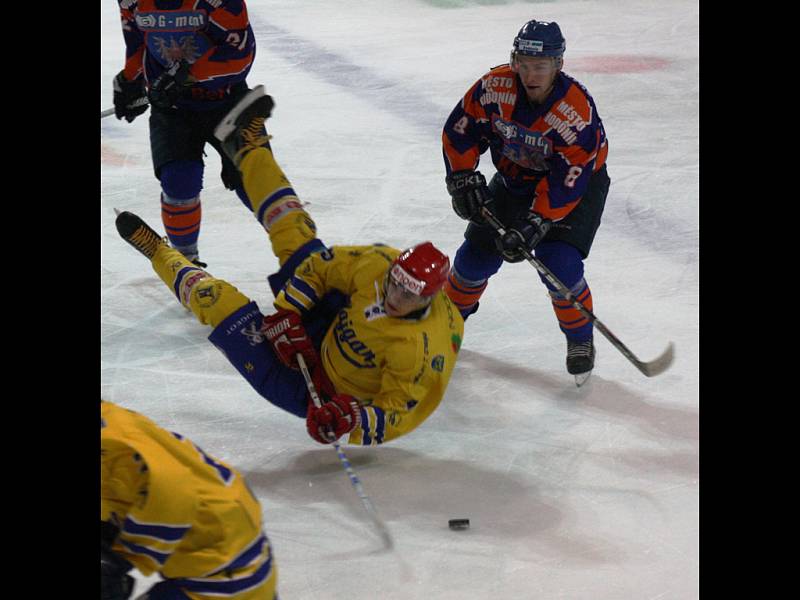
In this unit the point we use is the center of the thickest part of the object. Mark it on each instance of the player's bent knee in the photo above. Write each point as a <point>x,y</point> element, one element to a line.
<point>292,231</point>
<point>212,300</point>
<point>182,179</point>
<point>563,259</point>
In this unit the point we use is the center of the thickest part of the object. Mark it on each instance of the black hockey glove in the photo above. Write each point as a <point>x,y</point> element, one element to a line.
<point>469,193</point>
<point>523,234</point>
<point>169,86</point>
<point>130,97</point>
<point>115,583</point>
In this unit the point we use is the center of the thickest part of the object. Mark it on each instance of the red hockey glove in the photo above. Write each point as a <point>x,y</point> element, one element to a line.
<point>288,337</point>
<point>333,419</point>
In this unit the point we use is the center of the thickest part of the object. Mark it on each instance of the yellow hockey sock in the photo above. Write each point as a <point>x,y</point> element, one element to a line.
<point>211,300</point>
<point>275,204</point>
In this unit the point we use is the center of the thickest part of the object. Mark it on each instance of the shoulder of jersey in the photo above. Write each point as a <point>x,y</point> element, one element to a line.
<point>503,70</point>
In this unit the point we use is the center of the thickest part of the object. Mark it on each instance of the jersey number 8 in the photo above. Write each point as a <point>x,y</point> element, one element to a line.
<point>572,176</point>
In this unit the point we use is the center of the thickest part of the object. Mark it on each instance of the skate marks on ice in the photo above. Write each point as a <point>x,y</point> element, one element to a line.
<point>600,396</point>
<point>337,70</point>
<point>416,493</point>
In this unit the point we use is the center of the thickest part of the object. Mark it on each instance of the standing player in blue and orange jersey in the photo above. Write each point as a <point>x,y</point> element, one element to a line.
<point>371,321</point>
<point>167,507</point>
<point>188,59</point>
<point>549,147</point>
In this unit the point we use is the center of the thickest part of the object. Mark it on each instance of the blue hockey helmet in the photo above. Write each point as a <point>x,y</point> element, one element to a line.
<point>539,38</point>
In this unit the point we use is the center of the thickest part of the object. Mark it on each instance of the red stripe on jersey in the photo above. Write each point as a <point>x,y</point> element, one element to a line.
<point>133,65</point>
<point>602,154</point>
<point>205,69</point>
<point>457,160</point>
<point>542,203</point>
<point>227,20</point>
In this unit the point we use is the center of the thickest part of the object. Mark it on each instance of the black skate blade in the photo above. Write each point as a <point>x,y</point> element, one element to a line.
<point>228,123</point>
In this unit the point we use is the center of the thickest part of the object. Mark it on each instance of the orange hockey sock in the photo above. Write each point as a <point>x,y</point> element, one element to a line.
<point>182,223</point>
<point>570,320</point>
<point>464,294</point>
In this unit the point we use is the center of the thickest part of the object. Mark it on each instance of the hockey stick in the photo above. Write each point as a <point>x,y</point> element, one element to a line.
<point>110,111</point>
<point>388,543</point>
<point>654,367</point>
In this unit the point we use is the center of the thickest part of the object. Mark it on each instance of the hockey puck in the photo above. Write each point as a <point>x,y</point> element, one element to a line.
<point>458,524</point>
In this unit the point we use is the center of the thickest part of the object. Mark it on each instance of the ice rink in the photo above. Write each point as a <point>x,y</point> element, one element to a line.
<point>573,493</point>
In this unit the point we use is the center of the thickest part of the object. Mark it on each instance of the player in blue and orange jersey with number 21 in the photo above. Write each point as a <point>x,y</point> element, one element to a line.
<point>187,60</point>
<point>549,147</point>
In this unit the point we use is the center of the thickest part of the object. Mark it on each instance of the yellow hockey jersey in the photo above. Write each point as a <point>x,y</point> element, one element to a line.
<point>396,368</point>
<point>180,511</point>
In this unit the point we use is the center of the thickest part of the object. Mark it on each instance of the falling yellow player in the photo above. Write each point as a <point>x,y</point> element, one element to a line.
<point>168,507</point>
<point>373,320</point>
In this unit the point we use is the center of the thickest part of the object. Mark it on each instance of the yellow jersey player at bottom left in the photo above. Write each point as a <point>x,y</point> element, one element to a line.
<point>167,507</point>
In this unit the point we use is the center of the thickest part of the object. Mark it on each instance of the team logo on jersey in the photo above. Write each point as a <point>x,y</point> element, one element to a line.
<point>507,130</point>
<point>171,49</point>
<point>171,21</point>
<point>353,350</point>
<point>455,342</point>
<point>527,148</point>
<point>174,35</point>
<point>437,364</point>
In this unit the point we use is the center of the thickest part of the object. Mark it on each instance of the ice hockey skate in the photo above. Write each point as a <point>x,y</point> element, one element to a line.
<point>138,233</point>
<point>242,129</point>
<point>580,360</point>
<point>141,236</point>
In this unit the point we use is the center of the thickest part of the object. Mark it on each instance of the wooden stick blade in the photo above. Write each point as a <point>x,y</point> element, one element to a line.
<point>660,364</point>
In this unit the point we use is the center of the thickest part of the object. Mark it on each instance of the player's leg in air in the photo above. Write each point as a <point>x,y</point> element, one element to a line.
<point>235,318</point>
<point>269,193</point>
<point>272,199</point>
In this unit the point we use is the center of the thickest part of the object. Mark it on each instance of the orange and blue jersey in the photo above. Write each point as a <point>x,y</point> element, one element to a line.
<point>213,36</point>
<point>546,152</point>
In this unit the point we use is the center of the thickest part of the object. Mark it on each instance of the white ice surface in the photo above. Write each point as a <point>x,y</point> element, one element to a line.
<point>587,493</point>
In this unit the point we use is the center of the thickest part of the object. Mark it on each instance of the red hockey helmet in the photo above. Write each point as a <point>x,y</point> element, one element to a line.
<point>422,270</point>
